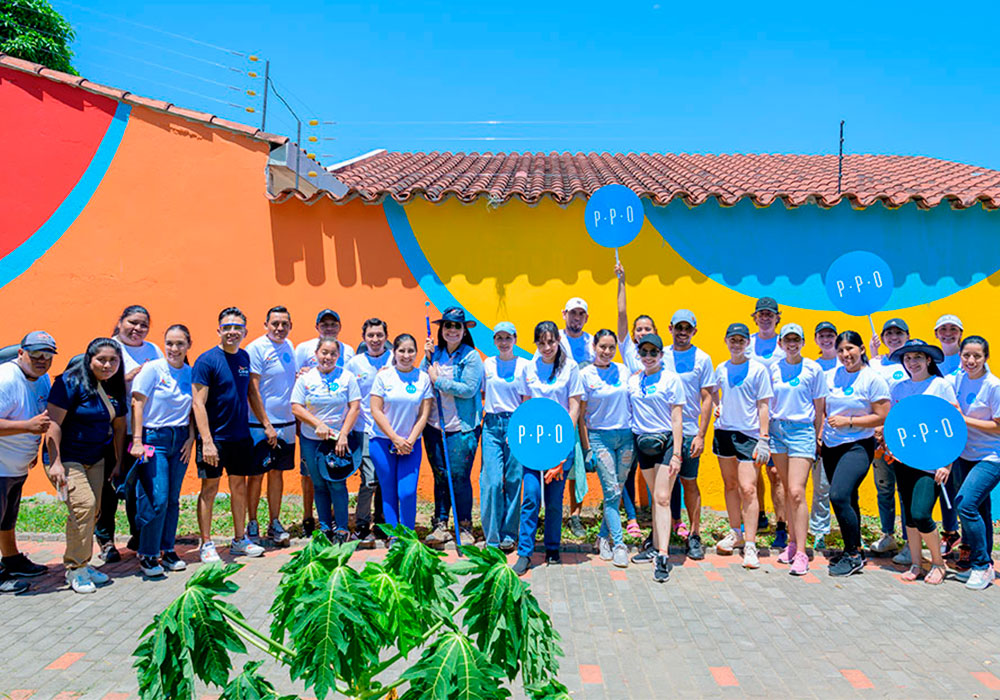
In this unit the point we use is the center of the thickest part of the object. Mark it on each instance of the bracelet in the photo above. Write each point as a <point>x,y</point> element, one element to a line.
<point>852,421</point>
<point>677,456</point>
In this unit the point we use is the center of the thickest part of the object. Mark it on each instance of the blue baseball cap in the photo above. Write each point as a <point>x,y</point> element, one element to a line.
<point>505,327</point>
<point>38,340</point>
<point>327,312</point>
<point>738,329</point>
<point>683,316</point>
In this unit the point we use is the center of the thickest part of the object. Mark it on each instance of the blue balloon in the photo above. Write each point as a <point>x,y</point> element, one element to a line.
<point>614,216</point>
<point>540,434</point>
<point>925,432</point>
<point>859,283</point>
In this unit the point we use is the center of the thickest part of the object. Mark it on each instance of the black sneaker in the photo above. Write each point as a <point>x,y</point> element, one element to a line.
<point>552,556</point>
<point>695,550</point>
<point>646,556</point>
<point>508,546</point>
<point>762,523</point>
<point>171,562</point>
<point>133,543</point>
<point>108,553</point>
<point>661,573</point>
<point>308,526</point>
<point>9,584</point>
<point>847,565</point>
<point>576,526</point>
<point>22,567</point>
<point>367,540</point>
<point>647,543</point>
<point>521,566</point>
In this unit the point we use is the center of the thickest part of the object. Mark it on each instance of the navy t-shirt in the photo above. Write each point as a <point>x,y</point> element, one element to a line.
<point>227,376</point>
<point>86,429</point>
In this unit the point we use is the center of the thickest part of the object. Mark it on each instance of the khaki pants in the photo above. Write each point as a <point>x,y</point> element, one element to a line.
<point>83,498</point>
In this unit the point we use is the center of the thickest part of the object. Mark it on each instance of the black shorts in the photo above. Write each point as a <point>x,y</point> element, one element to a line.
<point>731,443</point>
<point>10,500</point>
<point>235,456</point>
<point>660,456</point>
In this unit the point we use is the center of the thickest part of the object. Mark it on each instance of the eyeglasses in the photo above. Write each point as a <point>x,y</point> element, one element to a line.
<point>652,352</point>
<point>451,325</point>
<point>230,327</point>
<point>40,354</point>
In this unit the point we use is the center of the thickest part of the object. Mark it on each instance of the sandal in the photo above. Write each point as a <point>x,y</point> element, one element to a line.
<point>633,529</point>
<point>912,574</point>
<point>681,529</point>
<point>936,575</point>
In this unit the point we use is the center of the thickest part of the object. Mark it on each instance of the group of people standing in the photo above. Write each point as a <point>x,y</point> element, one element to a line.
<point>124,419</point>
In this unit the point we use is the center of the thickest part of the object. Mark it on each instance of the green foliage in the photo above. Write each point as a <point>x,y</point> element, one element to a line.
<point>549,690</point>
<point>33,31</point>
<point>423,568</point>
<point>250,685</point>
<point>452,668</point>
<point>399,615</point>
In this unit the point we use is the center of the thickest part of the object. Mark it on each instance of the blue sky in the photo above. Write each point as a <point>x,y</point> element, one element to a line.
<point>610,76</point>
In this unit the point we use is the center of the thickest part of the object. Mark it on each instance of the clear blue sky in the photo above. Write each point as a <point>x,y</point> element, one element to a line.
<point>608,76</point>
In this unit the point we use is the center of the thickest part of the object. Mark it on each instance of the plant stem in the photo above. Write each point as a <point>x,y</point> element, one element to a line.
<point>393,659</point>
<point>263,637</point>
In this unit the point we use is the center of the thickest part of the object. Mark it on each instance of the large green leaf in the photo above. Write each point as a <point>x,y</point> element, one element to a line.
<point>190,638</point>
<point>399,614</point>
<point>540,647</point>
<point>423,568</point>
<point>452,668</point>
<point>251,685</point>
<point>549,690</point>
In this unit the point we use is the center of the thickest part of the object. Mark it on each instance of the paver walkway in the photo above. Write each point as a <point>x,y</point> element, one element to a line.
<point>714,630</point>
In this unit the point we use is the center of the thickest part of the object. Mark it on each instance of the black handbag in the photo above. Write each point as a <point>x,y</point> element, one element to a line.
<point>652,444</point>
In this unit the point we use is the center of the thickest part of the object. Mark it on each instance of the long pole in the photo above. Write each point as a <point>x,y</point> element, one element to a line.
<point>840,158</point>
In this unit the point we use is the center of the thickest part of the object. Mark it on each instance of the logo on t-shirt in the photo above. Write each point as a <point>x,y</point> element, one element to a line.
<point>767,355</point>
<point>971,398</point>
<point>243,371</point>
<point>898,374</point>
<point>286,357</point>
<point>848,390</point>
<point>411,388</point>
<point>333,387</point>
<point>794,381</point>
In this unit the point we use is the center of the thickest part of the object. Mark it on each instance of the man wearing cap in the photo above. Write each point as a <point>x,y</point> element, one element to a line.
<point>948,330</point>
<point>577,343</point>
<point>327,326</point>
<point>24,393</point>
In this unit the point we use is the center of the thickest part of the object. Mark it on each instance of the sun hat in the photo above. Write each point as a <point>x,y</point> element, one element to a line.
<point>917,345</point>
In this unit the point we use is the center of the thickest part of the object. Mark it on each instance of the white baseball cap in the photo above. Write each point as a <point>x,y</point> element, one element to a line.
<point>949,318</point>
<point>575,303</point>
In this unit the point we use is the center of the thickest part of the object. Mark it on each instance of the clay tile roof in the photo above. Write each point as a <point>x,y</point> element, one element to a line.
<point>126,96</point>
<point>663,177</point>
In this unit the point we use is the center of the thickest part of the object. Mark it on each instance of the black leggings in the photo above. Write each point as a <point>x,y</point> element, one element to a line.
<point>917,493</point>
<point>846,467</point>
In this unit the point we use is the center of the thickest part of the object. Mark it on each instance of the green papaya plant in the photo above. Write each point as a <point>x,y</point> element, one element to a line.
<point>350,634</point>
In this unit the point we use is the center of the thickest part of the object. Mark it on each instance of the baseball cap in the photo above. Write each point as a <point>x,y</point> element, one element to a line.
<point>38,340</point>
<point>766,304</point>
<point>791,329</point>
<point>738,329</point>
<point>949,318</point>
<point>895,323</point>
<point>575,303</point>
<point>651,339</point>
<point>327,312</point>
<point>505,327</point>
<point>825,326</point>
<point>683,316</point>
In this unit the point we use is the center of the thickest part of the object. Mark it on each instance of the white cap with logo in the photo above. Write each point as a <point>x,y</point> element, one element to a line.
<point>575,303</point>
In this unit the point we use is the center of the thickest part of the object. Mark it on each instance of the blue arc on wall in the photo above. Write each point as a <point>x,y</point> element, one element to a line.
<point>784,253</point>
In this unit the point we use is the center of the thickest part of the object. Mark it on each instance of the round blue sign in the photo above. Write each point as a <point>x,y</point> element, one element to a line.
<point>540,434</point>
<point>614,216</point>
<point>925,432</point>
<point>859,283</point>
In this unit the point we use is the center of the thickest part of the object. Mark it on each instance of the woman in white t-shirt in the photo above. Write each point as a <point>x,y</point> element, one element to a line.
<point>741,439</point>
<point>978,393</point>
<point>857,402</point>
<point>326,400</point>
<point>551,375</point>
<point>401,400</point>
<point>917,488</point>
<point>501,474</point>
<point>606,438</point>
<point>161,416</point>
<point>796,418</point>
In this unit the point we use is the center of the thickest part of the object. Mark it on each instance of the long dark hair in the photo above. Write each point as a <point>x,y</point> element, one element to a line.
<point>129,310</point>
<point>854,338</point>
<point>550,327</point>
<point>79,375</point>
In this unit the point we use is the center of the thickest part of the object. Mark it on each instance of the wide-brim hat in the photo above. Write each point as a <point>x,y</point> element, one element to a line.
<point>916,345</point>
<point>455,314</point>
<point>281,456</point>
<point>332,466</point>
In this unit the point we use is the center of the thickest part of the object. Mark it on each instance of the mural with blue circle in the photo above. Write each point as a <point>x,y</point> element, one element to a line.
<point>614,216</point>
<point>859,283</point>
<point>925,432</point>
<point>540,434</point>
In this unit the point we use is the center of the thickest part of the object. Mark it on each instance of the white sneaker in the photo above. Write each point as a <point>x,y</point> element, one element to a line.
<point>278,534</point>
<point>96,576</point>
<point>980,578</point>
<point>208,553</point>
<point>245,547</point>
<point>885,544</point>
<point>903,558</point>
<point>79,581</point>
<point>604,548</point>
<point>728,543</point>
<point>750,559</point>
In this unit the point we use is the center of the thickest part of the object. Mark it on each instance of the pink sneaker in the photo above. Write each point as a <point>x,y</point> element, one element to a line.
<point>788,554</point>
<point>800,564</point>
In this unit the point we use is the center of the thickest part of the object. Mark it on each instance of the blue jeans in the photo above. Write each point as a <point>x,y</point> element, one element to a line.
<point>499,483</point>
<point>531,501</point>
<point>158,490</point>
<point>330,496</point>
<point>885,486</point>
<point>949,516</point>
<point>397,479</point>
<point>973,504</point>
<point>613,450</point>
<point>819,513</point>
<point>461,451</point>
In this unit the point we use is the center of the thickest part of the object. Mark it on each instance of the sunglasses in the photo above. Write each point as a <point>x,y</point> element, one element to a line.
<point>652,352</point>
<point>40,355</point>
<point>452,325</point>
<point>230,327</point>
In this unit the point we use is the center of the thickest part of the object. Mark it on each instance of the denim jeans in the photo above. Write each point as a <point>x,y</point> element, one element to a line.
<point>819,513</point>
<point>330,496</point>
<point>885,486</point>
<point>949,516</point>
<point>158,490</point>
<point>461,451</point>
<point>397,480</point>
<point>531,503</point>
<point>613,451</point>
<point>973,503</point>
<point>499,483</point>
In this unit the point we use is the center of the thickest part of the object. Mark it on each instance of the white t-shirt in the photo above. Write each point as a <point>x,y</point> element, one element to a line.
<point>932,386</point>
<point>364,367</point>
<point>694,367</point>
<point>892,372</point>
<point>580,349</point>
<point>742,386</point>
<point>606,392</point>
<point>630,354</point>
<point>20,399</point>
<point>168,394</point>
<point>980,399</point>
<point>401,395</point>
<point>651,398</point>
<point>326,396</point>
<point>828,364</point>
<point>766,352</point>
<point>851,394</point>
<point>795,388</point>
<point>305,354</point>
<point>132,357</point>
<point>275,364</point>
<point>537,382</point>
<point>501,393</point>
<point>951,364</point>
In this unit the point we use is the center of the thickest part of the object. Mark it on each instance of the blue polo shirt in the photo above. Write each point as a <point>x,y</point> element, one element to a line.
<point>86,429</point>
<point>227,376</point>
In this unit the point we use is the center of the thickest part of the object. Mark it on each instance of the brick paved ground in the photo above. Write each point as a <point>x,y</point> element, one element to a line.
<point>714,630</point>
